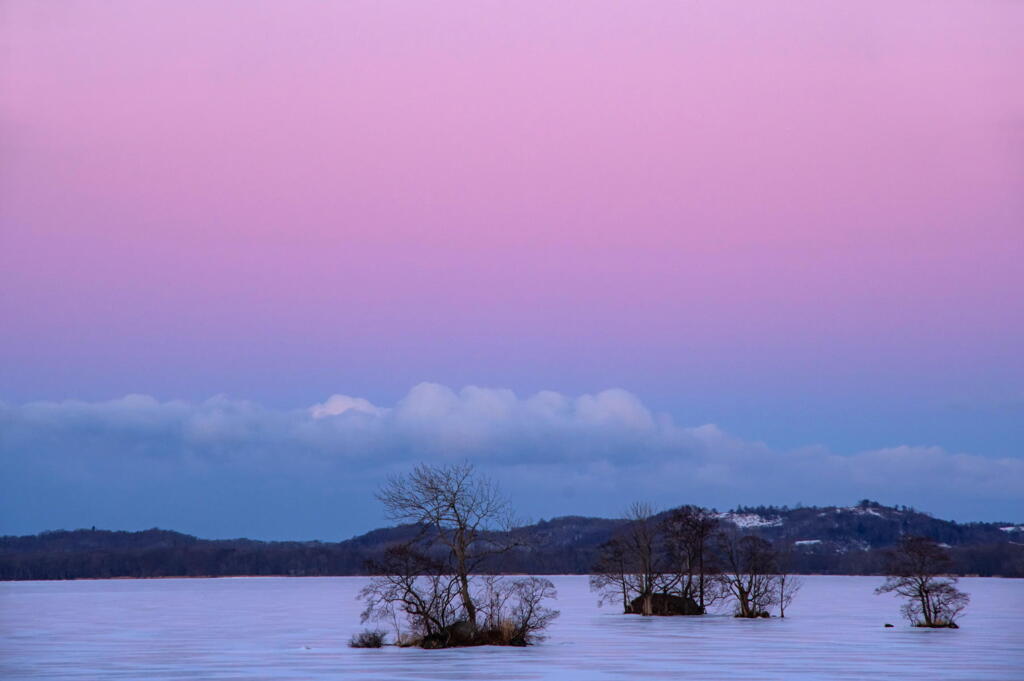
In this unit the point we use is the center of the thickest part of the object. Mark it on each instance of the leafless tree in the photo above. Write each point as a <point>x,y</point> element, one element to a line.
<point>432,580</point>
<point>688,531</point>
<point>514,610</point>
<point>919,572</point>
<point>611,573</point>
<point>660,565</point>
<point>640,542</point>
<point>787,584</point>
<point>633,565</point>
<point>749,572</point>
<point>457,509</point>
<point>412,584</point>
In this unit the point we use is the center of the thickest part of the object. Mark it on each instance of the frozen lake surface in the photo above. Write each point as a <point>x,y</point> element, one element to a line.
<point>297,628</point>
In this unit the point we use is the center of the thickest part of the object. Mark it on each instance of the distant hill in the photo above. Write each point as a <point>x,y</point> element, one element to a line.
<point>826,540</point>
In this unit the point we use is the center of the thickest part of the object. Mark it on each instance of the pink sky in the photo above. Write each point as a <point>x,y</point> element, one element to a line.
<point>778,198</point>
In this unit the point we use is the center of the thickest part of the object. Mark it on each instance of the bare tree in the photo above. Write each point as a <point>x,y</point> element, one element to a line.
<point>656,567</point>
<point>610,576</point>
<point>749,573</point>
<point>459,510</point>
<point>787,584</point>
<point>640,541</point>
<point>514,610</point>
<point>633,565</point>
<point>919,571</point>
<point>432,580</point>
<point>410,583</point>
<point>688,531</point>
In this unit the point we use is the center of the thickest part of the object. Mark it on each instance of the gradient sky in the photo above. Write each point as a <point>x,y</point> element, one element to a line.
<point>802,222</point>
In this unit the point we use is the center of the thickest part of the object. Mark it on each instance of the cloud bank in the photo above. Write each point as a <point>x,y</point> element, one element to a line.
<point>227,467</point>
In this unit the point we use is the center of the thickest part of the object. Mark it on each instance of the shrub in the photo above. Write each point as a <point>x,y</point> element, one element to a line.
<point>368,639</point>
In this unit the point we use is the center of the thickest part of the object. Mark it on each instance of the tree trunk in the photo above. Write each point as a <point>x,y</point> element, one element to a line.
<point>744,602</point>
<point>926,610</point>
<point>467,599</point>
<point>700,560</point>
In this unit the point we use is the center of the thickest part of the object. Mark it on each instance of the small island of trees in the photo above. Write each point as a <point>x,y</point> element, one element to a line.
<point>685,562</point>
<point>429,588</point>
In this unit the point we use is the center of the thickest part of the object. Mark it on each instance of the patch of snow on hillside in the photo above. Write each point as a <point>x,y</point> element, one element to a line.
<point>863,511</point>
<point>807,542</point>
<point>1012,528</point>
<point>747,520</point>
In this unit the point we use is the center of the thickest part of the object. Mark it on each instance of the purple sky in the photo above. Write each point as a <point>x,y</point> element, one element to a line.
<point>802,222</point>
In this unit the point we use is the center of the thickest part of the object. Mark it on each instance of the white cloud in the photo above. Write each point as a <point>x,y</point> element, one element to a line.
<point>554,453</point>
<point>339,404</point>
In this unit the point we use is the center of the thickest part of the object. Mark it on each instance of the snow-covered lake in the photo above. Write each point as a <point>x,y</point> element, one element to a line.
<point>282,628</point>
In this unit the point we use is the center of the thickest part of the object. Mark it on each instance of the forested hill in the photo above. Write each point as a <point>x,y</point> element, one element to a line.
<point>826,540</point>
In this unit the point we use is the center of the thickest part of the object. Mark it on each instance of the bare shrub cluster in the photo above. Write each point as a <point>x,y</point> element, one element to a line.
<point>371,638</point>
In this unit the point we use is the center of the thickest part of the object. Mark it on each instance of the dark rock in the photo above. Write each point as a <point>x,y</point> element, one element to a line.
<point>436,640</point>
<point>666,604</point>
<point>888,626</point>
<point>461,633</point>
<point>754,615</point>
